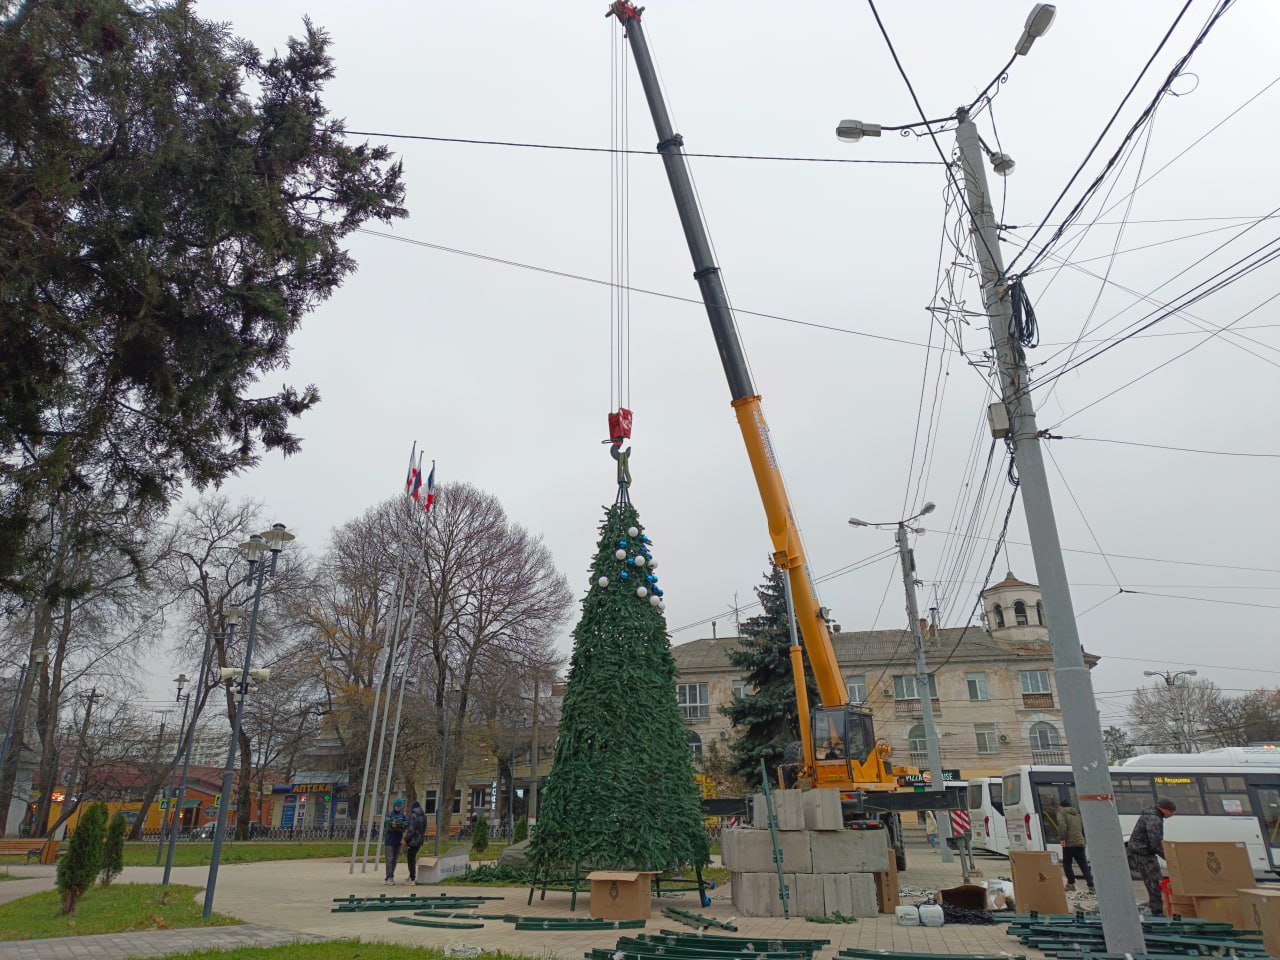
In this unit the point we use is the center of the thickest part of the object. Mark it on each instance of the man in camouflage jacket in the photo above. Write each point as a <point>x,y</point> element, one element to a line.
<point>1146,842</point>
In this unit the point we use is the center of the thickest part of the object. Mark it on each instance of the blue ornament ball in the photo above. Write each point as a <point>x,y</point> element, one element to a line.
<point>658,591</point>
<point>631,561</point>
<point>645,538</point>
<point>622,543</point>
<point>624,575</point>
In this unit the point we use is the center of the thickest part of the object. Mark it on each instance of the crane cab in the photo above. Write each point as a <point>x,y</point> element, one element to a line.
<point>845,752</point>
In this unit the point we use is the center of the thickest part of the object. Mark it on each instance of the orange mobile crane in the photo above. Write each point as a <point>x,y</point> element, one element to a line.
<point>853,760</point>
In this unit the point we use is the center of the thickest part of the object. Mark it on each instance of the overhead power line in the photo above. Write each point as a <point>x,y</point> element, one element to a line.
<point>1160,446</point>
<point>649,153</point>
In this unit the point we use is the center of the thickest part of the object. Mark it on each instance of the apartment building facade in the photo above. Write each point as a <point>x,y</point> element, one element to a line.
<point>995,700</point>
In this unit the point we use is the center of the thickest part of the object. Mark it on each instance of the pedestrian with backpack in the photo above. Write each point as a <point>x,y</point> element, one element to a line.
<point>393,835</point>
<point>1071,830</point>
<point>1146,842</point>
<point>415,835</point>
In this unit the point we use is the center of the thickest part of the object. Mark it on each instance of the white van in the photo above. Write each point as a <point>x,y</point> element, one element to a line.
<point>986,811</point>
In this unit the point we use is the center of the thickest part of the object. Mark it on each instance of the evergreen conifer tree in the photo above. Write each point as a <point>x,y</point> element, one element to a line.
<point>767,716</point>
<point>113,851</point>
<point>621,793</point>
<point>79,866</point>
<point>480,836</point>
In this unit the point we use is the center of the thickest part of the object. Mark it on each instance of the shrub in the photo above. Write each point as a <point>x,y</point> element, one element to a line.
<point>480,837</point>
<point>113,852</point>
<point>521,831</point>
<point>83,859</point>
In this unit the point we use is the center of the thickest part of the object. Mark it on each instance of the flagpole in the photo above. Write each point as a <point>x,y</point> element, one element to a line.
<point>404,680</point>
<point>368,755</point>
<point>386,704</point>
<point>382,681</point>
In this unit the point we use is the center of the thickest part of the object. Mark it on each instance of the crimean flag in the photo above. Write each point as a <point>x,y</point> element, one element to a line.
<point>413,471</point>
<point>430,498</point>
<point>417,479</point>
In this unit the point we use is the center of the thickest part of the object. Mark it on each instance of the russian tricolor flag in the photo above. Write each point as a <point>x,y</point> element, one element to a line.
<point>430,498</point>
<point>417,479</point>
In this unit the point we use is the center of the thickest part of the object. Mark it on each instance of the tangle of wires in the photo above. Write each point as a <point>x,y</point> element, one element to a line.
<point>1222,7</point>
<point>1022,323</point>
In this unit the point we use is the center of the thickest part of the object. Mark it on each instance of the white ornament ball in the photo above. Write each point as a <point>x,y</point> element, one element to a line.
<point>640,561</point>
<point>655,600</point>
<point>633,532</point>
<point>642,592</point>
<point>653,564</point>
<point>662,605</point>
<point>603,582</point>
<point>620,554</point>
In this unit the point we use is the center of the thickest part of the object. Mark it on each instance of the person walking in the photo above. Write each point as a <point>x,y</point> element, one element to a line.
<point>931,829</point>
<point>415,835</point>
<point>393,834</point>
<point>1146,842</point>
<point>1071,830</point>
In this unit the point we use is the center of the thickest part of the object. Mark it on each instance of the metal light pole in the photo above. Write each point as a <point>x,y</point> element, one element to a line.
<point>924,685</point>
<point>444,759</point>
<point>1015,419</point>
<point>273,540</point>
<point>232,618</point>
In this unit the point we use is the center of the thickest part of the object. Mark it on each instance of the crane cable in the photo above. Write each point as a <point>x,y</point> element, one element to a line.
<point>619,225</point>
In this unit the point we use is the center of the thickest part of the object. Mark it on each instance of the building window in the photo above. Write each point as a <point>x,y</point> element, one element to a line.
<point>694,704</point>
<point>695,744</point>
<point>906,688</point>
<point>985,734</point>
<point>999,614</point>
<point>1039,613</point>
<point>977,686</point>
<point>1019,613</point>
<point>1035,681</point>
<point>429,802</point>
<point>457,801</point>
<point>857,687</point>
<point>917,745</point>
<point>740,689</point>
<point>1046,743</point>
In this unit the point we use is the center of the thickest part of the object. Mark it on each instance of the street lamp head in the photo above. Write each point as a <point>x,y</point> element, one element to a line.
<point>277,536</point>
<point>181,680</point>
<point>254,547</point>
<point>1189,673</point>
<point>1151,673</point>
<point>1002,163</point>
<point>227,674</point>
<point>233,616</point>
<point>1038,23</point>
<point>851,131</point>
<point>261,674</point>
<point>855,522</point>
<point>928,508</point>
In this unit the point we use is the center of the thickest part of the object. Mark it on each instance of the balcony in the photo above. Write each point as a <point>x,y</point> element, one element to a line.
<point>1048,756</point>
<point>1037,701</point>
<point>912,708</point>
<point>695,711</point>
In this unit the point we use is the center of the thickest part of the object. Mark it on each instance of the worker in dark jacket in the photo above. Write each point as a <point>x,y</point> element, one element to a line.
<point>1071,830</point>
<point>1146,842</point>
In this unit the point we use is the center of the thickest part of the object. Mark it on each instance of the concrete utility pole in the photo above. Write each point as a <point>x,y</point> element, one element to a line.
<point>924,688</point>
<point>1121,924</point>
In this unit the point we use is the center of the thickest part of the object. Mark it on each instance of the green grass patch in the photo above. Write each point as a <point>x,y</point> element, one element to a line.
<point>197,854</point>
<point>334,950</point>
<point>119,908</point>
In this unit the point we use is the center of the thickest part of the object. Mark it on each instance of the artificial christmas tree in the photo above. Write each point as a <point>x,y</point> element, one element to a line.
<point>621,793</point>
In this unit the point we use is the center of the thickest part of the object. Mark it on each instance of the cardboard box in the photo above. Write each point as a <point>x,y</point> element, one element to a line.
<point>1261,909</point>
<point>887,896</point>
<point>1180,906</point>
<point>621,894</point>
<point>1221,909</point>
<point>1038,882</point>
<point>1208,868</point>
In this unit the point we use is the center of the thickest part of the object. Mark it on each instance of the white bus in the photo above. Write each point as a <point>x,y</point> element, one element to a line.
<point>986,812</point>
<point>1227,794</point>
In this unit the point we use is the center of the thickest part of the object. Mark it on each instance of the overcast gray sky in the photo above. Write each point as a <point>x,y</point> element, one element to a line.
<point>502,374</point>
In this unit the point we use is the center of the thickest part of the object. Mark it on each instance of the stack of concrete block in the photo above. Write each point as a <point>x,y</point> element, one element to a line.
<point>826,868</point>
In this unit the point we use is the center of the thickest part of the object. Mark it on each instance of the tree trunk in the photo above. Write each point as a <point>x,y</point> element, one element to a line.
<point>17,744</point>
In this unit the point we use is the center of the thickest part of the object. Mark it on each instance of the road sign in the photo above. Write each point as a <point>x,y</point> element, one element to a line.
<point>164,805</point>
<point>960,822</point>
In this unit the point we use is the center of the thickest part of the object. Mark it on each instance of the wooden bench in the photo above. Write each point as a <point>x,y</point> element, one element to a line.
<point>31,848</point>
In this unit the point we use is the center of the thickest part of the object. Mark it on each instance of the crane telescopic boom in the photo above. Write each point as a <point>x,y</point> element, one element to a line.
<point>856,761</point>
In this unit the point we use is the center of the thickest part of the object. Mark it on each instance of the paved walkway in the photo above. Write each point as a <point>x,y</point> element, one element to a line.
<point>150,943</point>
<point>284,901</point>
